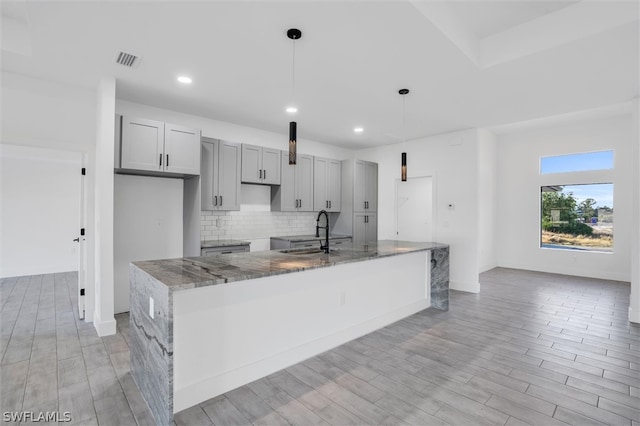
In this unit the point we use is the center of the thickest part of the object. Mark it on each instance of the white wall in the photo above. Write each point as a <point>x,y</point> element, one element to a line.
<point>45,114</point>
<point>519,183</point>
<point>452,161</point>
<point>634,305</point>
<point>40,210</point>
<point>487,199</point>
<point>103,319</point>
<point>147,225</point>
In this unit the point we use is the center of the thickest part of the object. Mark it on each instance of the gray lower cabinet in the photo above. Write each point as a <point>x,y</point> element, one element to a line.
<point>365,228</point>
<point>220,177</point>
<point>157,147</point>
<point>295,192</point>
<point>260,165</point>
<point>279,243</point>
<point>212,251</point>
<point>326,184</point>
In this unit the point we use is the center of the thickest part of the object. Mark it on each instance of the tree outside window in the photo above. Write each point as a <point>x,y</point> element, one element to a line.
<point>577,217</point>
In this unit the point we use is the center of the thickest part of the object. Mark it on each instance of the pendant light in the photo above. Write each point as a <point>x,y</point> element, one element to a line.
<point>294,34</point>
<point>403,158</point>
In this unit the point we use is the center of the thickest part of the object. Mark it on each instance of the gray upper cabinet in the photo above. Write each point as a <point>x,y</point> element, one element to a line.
<point>154,146</point>
<point>365,189</point>
<point>181,150</point>
<point>220,175</point>
<point>295,192</point>
<point>260,165</point>
<point>142,144</point>
<point>326,184</point>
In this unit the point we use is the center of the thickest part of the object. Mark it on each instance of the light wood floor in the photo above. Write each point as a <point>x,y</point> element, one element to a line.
<point>532,348</point>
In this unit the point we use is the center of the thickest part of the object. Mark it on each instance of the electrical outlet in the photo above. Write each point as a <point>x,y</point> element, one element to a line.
<point>151,310</point>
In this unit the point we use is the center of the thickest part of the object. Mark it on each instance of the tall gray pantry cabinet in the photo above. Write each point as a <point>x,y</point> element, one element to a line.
<point>359,210</point>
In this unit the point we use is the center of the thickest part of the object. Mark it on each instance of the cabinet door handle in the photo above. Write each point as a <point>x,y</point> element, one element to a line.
<point>366,219</point>
<point>215,200</point>
<point>226,252</point>
<point>264,174</point>
<point>259,173</point>
<point>160,160</point>
<point>167,160</point>
<point>326,204</point>
<point>221,200</point>
<point>329,203</point>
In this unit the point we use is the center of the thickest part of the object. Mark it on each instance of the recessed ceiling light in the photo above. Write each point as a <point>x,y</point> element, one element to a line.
<point>358,129</point>
<point>291,110</point>
<point>184,79</point>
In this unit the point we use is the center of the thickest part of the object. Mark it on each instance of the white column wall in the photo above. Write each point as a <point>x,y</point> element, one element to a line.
<point>451,159</point>
<point>634,305</point>
<point>103,319</point>
<point>519,183</point>
<point>487,199</point>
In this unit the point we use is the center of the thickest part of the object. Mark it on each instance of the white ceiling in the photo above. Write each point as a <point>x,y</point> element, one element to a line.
<point>486,18</point>
<point>351,61</point>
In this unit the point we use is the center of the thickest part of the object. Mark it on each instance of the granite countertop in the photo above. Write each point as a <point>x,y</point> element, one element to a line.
<point>223,243</point>
<point>193,272</point>
<point>297,238</point>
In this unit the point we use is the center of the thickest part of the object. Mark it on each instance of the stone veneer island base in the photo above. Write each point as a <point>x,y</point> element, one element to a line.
<point>219,322</point>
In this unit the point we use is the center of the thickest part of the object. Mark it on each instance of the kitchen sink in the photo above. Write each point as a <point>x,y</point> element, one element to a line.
<point>314,250</point>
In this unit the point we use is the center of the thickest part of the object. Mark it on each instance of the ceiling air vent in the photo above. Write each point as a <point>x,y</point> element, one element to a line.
<point>127,59</point>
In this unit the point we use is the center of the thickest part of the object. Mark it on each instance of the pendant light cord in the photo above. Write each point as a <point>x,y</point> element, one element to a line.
<point>293,70</point>
<point>404,121</point>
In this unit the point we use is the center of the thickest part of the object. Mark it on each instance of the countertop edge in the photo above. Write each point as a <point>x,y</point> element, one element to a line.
<point>255,275</point>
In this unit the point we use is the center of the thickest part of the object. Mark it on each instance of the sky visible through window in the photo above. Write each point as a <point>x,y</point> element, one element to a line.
<point>601,160</point>
<point>602,193</point>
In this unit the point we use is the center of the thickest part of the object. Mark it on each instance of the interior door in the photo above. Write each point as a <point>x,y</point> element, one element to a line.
<point>414,209</point>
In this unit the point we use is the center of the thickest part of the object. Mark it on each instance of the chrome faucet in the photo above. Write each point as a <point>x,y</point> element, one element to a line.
<point>325,248</point>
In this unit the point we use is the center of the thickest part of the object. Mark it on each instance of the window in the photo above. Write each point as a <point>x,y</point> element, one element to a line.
<point>601,160</point>
<point>577,217</point>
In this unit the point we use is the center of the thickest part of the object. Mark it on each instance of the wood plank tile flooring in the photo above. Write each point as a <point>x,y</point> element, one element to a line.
<point>531,348</point>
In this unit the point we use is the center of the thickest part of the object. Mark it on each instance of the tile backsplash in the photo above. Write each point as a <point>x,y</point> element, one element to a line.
<point>249,224</point>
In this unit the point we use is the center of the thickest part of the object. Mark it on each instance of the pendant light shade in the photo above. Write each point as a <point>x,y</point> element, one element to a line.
<point>403,158</point>
<point>294,34</point>
<point>293,128</point>
<point>404,167</point>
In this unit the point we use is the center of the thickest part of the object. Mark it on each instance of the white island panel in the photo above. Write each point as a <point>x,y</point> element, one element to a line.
<point>230,334</point>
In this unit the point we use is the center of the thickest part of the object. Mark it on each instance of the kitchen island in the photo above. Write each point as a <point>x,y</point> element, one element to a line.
<point>205,325</point>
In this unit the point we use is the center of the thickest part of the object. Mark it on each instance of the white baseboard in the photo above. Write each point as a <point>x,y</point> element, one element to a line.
<point>465,286</point>
<point>104,327</point>
<point>213,386</point>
